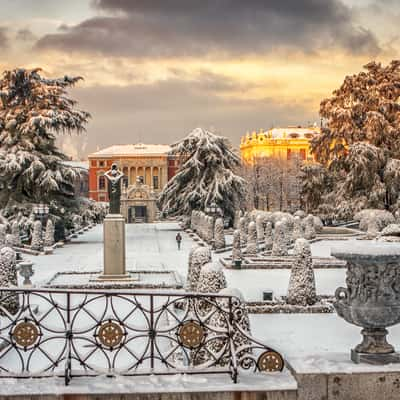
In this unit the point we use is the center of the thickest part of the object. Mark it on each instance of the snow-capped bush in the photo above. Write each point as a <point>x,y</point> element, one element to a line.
<point>298,231</point>
<point>236,248</point>
<point>301,289</point>
<point>49,235</point>
<point>37,238</point>
<point>309,228</point>
<point>8,277</point>
<point>212,278</point>
<point>15,230</point>
<point>199,257</point>
<point>260,227</point>
<point>3,232</point>
<point>279,247</point>
<point>219,235</point>
<point>251,247</point>
<point>376,218</point>
<point>243,225</point>
<point>268,237</point>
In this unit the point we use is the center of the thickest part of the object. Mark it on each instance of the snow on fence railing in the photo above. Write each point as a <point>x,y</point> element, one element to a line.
<point>72,333</point>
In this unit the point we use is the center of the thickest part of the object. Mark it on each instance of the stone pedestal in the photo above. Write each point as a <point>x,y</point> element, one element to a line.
<point>114,248</point>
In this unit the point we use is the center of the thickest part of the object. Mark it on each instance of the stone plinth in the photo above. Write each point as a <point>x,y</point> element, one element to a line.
<point>114,248</point>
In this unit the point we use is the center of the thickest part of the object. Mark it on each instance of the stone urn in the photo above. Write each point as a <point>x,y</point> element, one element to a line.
<point>372,297</point>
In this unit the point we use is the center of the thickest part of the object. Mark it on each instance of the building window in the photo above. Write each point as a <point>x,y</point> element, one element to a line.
<point>155,182</point>
<point>126,181</point>
<point>102,182</point>
<point>302,154</point>
<point>101,164</point>
<point>94,163</point>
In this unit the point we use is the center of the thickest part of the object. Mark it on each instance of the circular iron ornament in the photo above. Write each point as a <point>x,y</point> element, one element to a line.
<point>191,334</point>
<point>25,334</point>
<point>270,361</point>
<point>110,334</point>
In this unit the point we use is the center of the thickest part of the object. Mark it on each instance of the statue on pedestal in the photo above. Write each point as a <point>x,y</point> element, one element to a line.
<point>114,177</point>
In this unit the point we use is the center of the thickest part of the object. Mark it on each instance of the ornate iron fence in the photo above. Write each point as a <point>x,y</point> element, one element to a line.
<point>71,333</point>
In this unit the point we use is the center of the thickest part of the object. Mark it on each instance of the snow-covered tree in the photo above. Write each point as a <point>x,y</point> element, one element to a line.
<point>8,277</point>
<point>302,281</point>
<point>33,111</point>
<point>49,234</point>
<point>359,147</point>
<point>37,237</point>
<point>251,248</point>
<point>236,247</point>
<point>219,235</point>
<point>206,176</point>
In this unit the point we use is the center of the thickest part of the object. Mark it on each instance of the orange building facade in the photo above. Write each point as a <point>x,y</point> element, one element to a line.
<point>142,164</point>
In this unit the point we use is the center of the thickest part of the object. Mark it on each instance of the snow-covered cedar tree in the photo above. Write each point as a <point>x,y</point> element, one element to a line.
<point>268,237</point>
<point>298,231</point>
<point>199,257</point>
<point>251,247</point>
<point>8,277</point>
<point>219,235</point>
<point>260,227</point>
<point>3,232</point>
<point>37,237</point>
<point>49,235</point>
<point>236,248</point>
<point>15,230</point>
<point>359,143</point>
<point>243,226</point>
<point>279,246</point>
<point>205,176</point>
<point>301,289</point>
<point>33,111</point>
<point>217,344</point>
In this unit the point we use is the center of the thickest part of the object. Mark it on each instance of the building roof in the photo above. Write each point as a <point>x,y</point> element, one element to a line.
<point>77,164</point>
<point>137,149</point>
<point>293,130</point>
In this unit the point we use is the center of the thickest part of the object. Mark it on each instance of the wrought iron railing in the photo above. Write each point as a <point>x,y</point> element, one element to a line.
<point>71,333</point>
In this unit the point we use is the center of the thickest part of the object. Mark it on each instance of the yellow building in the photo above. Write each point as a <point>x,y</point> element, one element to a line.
<point>285,143</point>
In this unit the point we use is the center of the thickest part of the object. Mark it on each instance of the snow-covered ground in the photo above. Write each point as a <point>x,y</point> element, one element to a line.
<point>153,246</point>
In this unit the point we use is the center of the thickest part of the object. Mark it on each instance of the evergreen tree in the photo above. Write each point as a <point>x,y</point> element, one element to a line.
<point>33,111</point>
<point>206,176</point>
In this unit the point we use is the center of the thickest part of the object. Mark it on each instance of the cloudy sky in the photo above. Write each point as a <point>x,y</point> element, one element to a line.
<point>155,69</point>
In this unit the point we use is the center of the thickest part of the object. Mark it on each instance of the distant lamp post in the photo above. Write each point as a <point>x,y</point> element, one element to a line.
<point>41,212</point>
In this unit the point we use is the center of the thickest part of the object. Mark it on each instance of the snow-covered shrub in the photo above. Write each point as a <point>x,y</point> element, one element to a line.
<point>49,235</point>
<point>3,232</point>
<point>8,277</point>
<point>236,248</point>
<point>251,247</point>
<point>318,225</point>
<point>309,229</point>
<point>10,240</point>
<point>288,227</point>
<point>219,234</point>
<point>16,232</point>
<point>300,213</point>
<point>298,231</point>
<point>238,215</point>
<point>212,278</point>
<point>243,225</point>
<point>77,222</point>
<point>301,289</point>
<point>197,258</point>
<point>37,238</point>
<point>390,234</point>
<point>379,219</point>
<point>210,229</point>
<point>268,237</point>
<point>260,227</point>
<point>279,247</point>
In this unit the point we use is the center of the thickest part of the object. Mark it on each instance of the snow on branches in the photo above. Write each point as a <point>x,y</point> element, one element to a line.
<point>33,110</point>
<point>206,176</point>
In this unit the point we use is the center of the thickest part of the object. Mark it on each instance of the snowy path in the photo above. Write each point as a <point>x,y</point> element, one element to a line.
<point>148,246</point>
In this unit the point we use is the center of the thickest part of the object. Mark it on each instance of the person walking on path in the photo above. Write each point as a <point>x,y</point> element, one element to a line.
<point>178,239</point>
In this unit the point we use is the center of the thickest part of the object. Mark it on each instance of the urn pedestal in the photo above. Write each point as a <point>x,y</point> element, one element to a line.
<point>371,299</point>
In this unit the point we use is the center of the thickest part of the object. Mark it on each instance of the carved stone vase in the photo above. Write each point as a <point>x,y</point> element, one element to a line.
<point>372,297</point>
